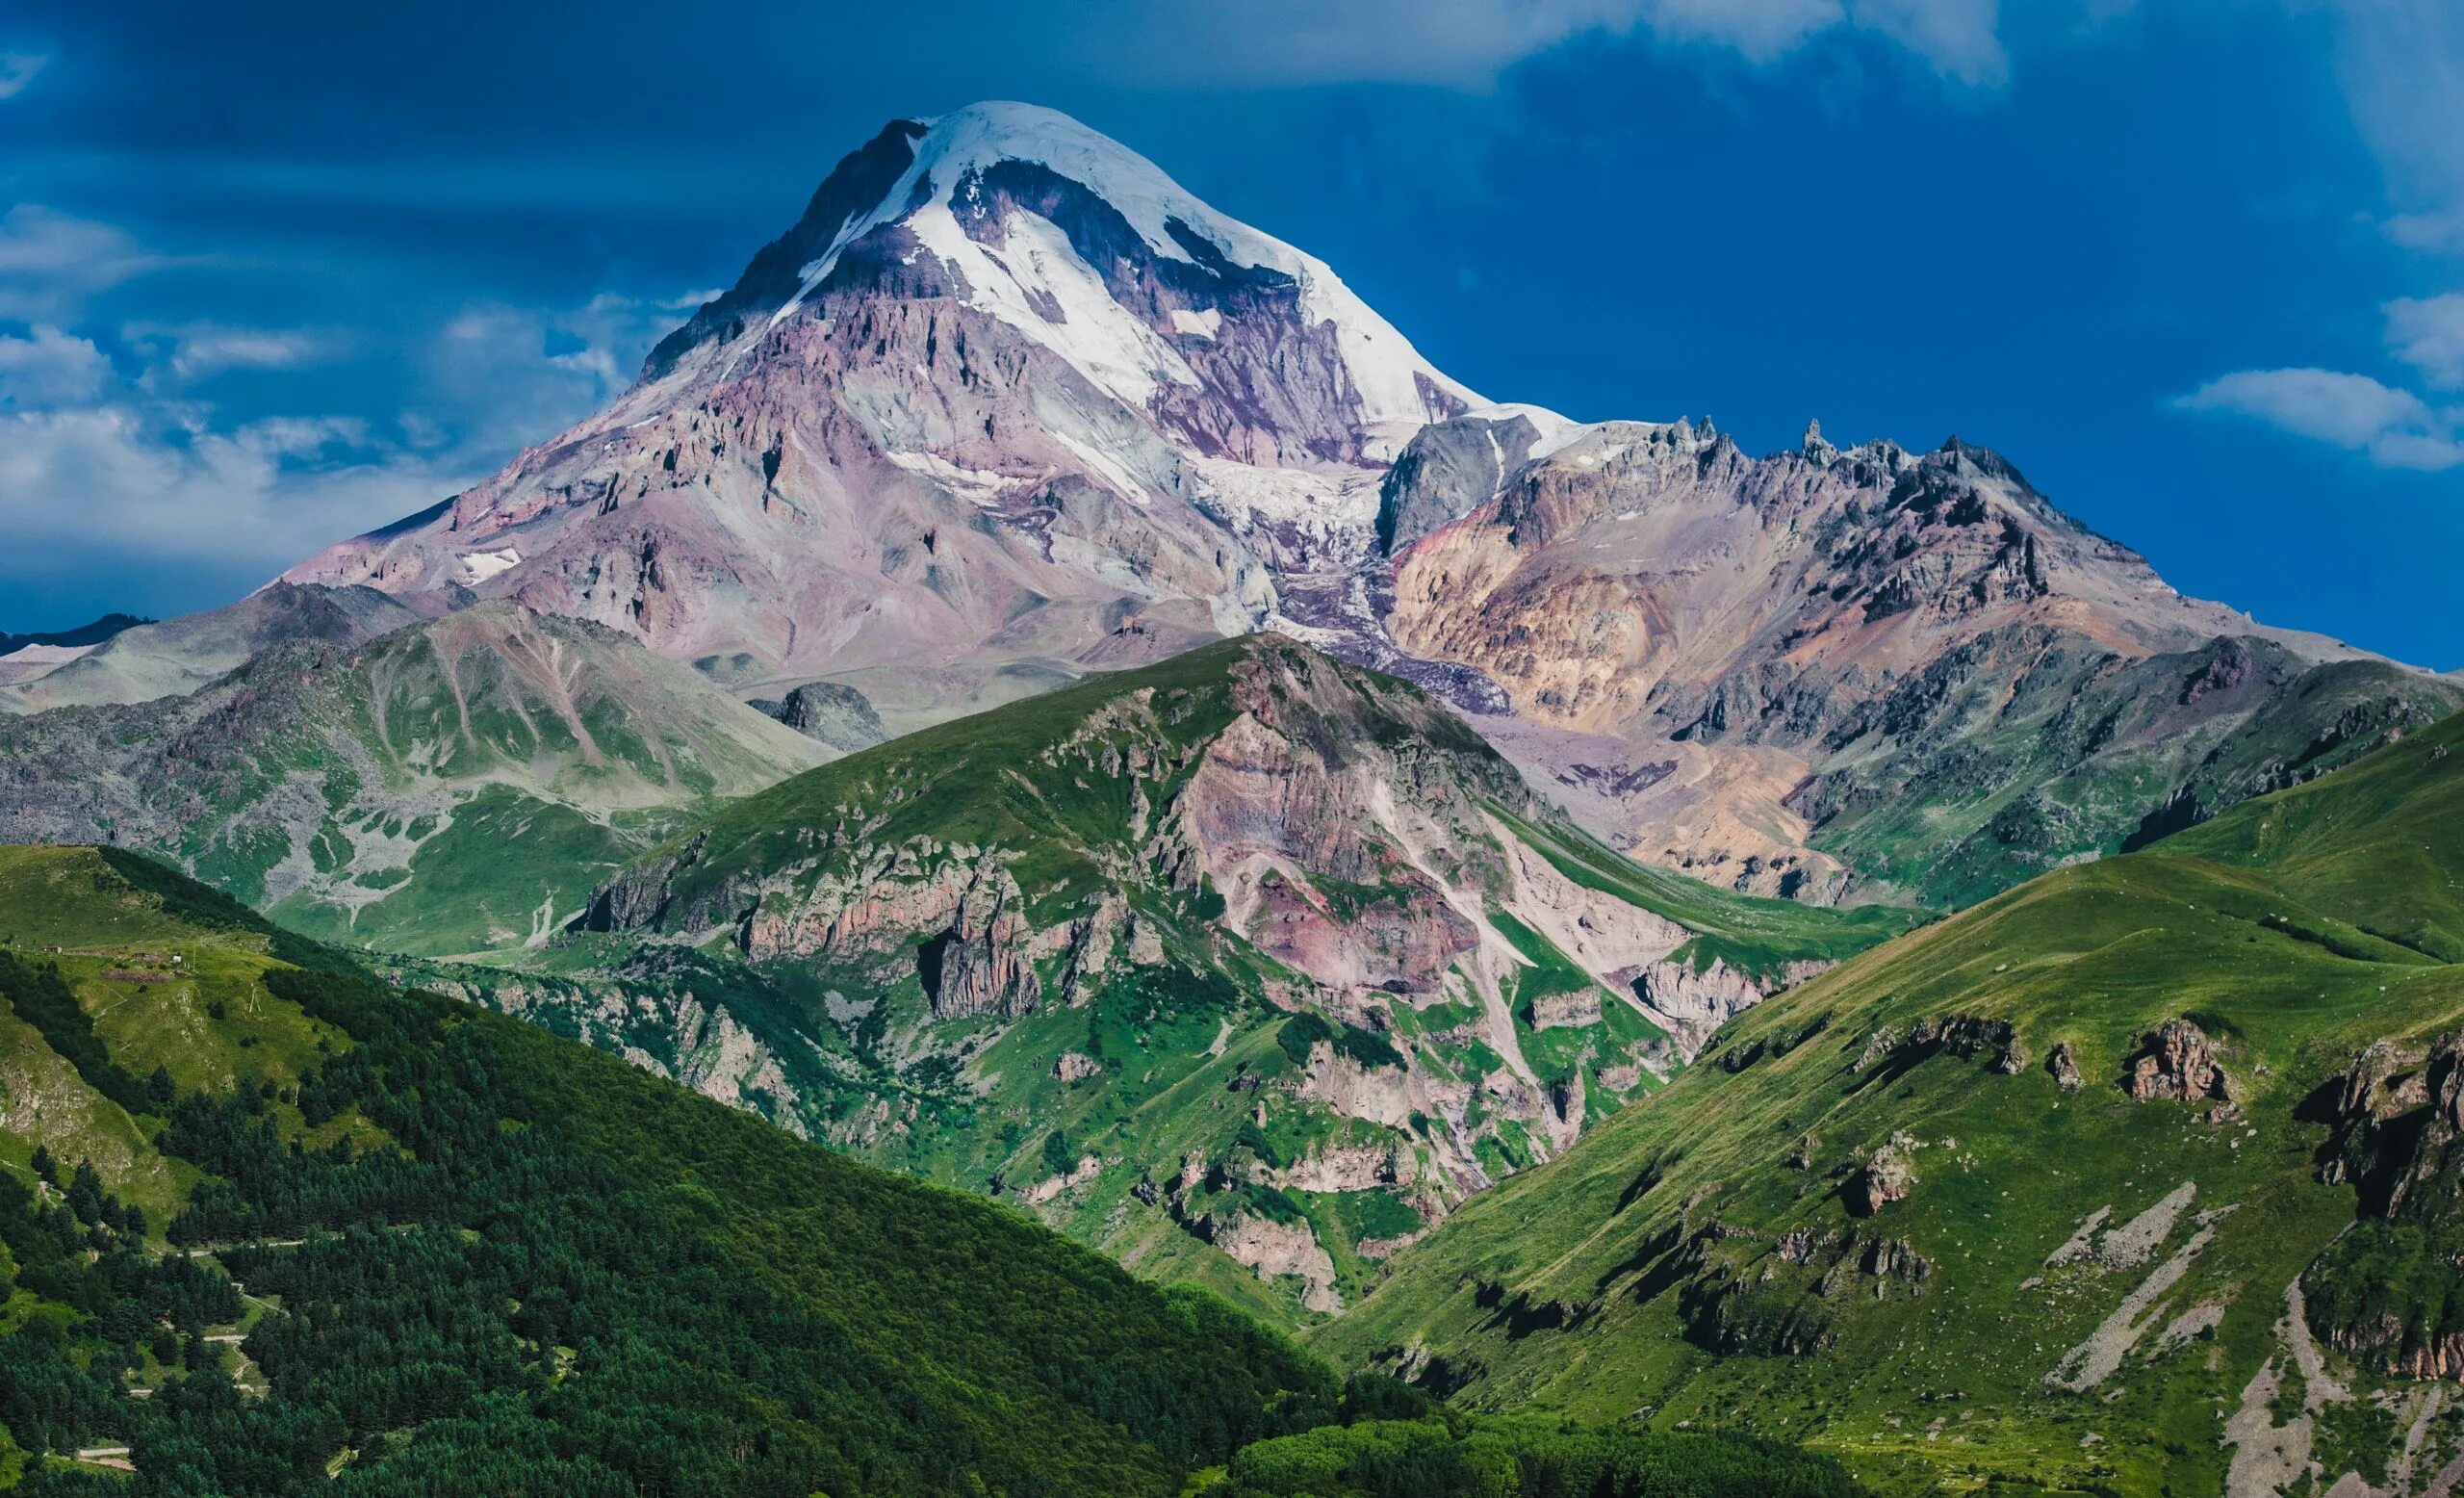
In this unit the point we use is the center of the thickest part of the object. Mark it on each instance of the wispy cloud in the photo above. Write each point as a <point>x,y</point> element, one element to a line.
<point>2394,428</point>
<point>2427,333</point>
<point>104,463</point>
<point>17,70</point>
<point>2401,66</point>
<point>194,350</point>
<point>50,263</point>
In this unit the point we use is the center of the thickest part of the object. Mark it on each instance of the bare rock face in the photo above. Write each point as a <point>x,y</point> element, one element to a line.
<point>891,896</point>
<point>1335,855</point>
<point>637,896</point>
<point>1885,1177</point>
<point>2064,1064</point>
<point>1806,638</point>
<point>1074,1065</point>
<point>1693,1003</point>
<point>1274,1250</point>
<point>2179,1063</point>
<point>984,967</point>
<point>838,715</point>
<point>1561,1011</point>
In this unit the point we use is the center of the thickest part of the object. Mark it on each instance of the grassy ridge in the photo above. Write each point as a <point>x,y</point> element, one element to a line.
<point>1758,937</point>
<point>1652,1268</point>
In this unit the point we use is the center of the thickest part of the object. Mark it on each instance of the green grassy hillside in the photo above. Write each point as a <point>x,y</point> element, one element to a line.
<point>527,1265</point>
<point>1913,1211</point>
<point>364,1242</point>
<point>1246,966</point>
<point>454,785</point>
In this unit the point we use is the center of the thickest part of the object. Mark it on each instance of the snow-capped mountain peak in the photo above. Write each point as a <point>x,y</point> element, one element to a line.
<point>1025,270</point>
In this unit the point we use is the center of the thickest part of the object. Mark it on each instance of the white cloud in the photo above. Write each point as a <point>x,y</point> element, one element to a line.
<point>2396,427</point>
<point>99,469</point>
<point>2402,68</point>
<point>192,350</point>
<point>2427,333</point>
<point>506,376</point>
<point>51,262</point>
<point>1961,38</point>
<point>156,485</point>
<point>17,70</point>
<point>49,368</point>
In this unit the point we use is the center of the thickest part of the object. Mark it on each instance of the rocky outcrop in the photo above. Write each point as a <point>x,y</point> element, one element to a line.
<point>983,965</point>
<point>2064,1064</point>
<point>2385,1293</point>
<point>1276,1248</point>
<point>2399,1117</point>
<point>1974,1035</point>
<point>638,896</point>
<point>837,715</point>
<point>1088,1168</point>
<point>1092,939</point>
<point>1353,1168</point>
<point>1563,1010</point>
<point>1886,1176</point>
<point>1073,1067</point>
<point>2178,1064</point>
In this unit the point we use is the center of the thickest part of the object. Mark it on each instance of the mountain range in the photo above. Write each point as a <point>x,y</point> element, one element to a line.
<point>1007,404</point>
<point>1038,687</point>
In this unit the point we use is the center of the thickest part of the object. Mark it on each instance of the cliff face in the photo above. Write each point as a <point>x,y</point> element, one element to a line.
<point>1832,671</point>
<point>1176,952</point>
<point>2392,1295</point>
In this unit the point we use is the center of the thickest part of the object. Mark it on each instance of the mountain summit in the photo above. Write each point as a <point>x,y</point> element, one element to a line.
<point>1005,394</point>
<point>984,188</point>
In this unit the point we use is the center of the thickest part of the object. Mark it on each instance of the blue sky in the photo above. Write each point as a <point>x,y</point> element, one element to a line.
<point>271,273</point>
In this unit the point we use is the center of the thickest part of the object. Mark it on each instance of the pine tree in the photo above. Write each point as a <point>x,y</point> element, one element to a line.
<point>44,1170</point>
<point>86,1191</point>
<point>159,1088</point>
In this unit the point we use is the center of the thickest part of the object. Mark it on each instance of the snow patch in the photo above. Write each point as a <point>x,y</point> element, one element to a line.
<point>1104,468</point>
<point>1196,325</point>
<point>43,655</point>
<point>480,566</point>
<point>979,485</point>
